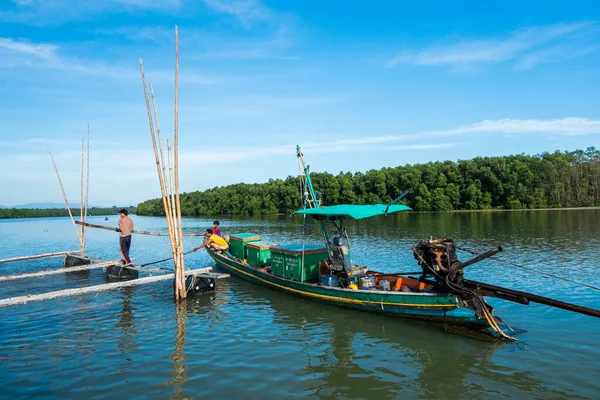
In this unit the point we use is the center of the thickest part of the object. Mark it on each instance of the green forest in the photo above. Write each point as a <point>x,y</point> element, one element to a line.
<point>58,212</point>
<point>548,180</point>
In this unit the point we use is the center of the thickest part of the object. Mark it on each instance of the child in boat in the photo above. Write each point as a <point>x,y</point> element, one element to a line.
<point>217,229</point>
<point>214,241</point>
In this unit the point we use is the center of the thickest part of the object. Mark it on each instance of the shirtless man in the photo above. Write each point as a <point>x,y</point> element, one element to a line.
<point>126,228</point>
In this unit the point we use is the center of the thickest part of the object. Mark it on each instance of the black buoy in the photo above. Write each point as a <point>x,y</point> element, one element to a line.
<point>75,260</point>
<point>120,273</point>
<point>199,284</point>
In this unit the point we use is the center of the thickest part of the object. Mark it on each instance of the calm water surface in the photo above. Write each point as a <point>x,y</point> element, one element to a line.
<point>251,342</point>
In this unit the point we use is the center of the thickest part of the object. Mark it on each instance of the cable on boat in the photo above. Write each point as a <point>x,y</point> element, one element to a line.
<point>532,269</point>
<point>473,294</point>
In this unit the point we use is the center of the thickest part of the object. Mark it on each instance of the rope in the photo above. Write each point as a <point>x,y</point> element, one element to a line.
<point>473,294</point>
<point>166,259</point>
<point>532,270</point>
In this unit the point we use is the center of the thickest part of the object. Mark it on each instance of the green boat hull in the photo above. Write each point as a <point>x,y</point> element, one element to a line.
<point>430,306</point>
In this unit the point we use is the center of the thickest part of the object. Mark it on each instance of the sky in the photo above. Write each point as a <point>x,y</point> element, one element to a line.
<point>358,85</point>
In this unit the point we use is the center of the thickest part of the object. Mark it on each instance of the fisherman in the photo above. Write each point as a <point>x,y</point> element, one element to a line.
<point>217,229</point>
<point>214,241</point>
<point>126,228</point>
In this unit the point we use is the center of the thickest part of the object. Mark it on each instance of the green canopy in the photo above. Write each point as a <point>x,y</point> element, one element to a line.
<point>353,211</point>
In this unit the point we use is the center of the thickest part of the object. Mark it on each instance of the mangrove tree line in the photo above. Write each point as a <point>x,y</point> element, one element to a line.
<point>58,212</point>
<point>559,179</point>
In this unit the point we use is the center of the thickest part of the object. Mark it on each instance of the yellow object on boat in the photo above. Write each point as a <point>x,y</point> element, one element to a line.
<point>353,286</point>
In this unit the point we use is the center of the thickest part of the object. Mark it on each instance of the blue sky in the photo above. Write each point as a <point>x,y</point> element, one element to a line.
<point>359,85</point>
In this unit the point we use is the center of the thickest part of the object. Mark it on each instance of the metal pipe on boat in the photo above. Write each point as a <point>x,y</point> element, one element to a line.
<point>481,257</point>
<point>500,292</point>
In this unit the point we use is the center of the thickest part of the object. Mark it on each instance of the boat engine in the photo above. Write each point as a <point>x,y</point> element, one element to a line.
<point>437,258</point>
<point>341,256</point>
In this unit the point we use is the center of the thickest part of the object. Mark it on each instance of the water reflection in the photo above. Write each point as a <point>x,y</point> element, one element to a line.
<point>179,358</point>
<point>126,324</point>
<point>359,355</point>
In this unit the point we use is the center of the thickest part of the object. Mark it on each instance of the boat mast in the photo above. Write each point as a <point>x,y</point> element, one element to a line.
<point>309,196</point>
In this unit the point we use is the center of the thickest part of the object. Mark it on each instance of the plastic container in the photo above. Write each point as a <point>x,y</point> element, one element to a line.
<point>329,280</point>
<point>383,285</point>
<point>238,241</point>
<point>366,283</point>
<point>258,253</point>
<point>287,261</point>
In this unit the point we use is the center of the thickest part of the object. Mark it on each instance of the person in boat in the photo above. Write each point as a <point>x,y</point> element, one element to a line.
<point>126,229</point>
<point>217,230</point>
<point>214,241</point>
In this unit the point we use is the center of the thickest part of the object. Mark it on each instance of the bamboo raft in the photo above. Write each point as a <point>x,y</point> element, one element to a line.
<point>46,255</point>
<point>107,286</point>
<point>39,274</point>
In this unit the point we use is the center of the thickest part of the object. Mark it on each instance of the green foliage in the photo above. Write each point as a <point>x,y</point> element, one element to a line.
<point>559,179</point>
<point>59,212</point>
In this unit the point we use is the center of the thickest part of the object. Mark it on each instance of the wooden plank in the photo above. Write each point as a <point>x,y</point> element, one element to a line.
<point>60,253</point>
<point>135,231</point>
<point>94,289</point>
<point>63,270</point>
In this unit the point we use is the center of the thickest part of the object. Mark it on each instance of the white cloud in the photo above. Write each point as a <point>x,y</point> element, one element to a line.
<point>47,56</point>
<point>14,52</point>
<point>246,11</point>
<point>555,42</point>
<point>569,126</point>
<point>52,12</point>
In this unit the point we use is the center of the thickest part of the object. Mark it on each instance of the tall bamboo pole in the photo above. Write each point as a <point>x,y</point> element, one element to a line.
<point>165,191</point>
<point>166,198</point>
<point>158,168</point>
<point>87,185</point>
<point>64,195</point>
<point>176,162</point>
<point>81,206</point>
<point>173,211</point>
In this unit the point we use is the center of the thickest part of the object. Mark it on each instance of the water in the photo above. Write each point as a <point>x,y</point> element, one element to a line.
<point>248,341</point>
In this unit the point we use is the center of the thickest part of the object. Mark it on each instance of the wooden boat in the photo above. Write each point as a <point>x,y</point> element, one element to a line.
<point>436,293</point>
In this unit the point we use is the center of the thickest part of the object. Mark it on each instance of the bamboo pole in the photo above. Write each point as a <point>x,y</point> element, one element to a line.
<point>173,211</point>
<point>64,195</point>
<point>45,255</point>
<point>137,232</point>
<point>169,183</point>
<point>162,183</point>
<point>87,185</point>
<point>81,206</point>
<point>95,289</point>
<point>161,179</point>
<point>57,271</point>
<point>180,265</point>
<point>166,199</point>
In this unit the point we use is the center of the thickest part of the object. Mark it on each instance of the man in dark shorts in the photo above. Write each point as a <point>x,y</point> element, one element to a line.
<point>126,228</point>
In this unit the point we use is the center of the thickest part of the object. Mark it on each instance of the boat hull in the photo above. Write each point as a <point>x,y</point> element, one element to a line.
<point>435,307</point>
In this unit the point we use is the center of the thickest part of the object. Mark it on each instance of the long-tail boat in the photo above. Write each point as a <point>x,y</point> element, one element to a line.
<point>437,293</point>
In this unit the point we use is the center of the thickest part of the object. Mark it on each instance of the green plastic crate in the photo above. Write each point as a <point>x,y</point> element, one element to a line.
<point>277,263</point>
<point>258,253</point>
<point>291,257</point>
<point>237,243</point>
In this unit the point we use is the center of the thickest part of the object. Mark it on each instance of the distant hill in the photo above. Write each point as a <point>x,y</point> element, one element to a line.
<point>40,205</point>
<point>44,206</point>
